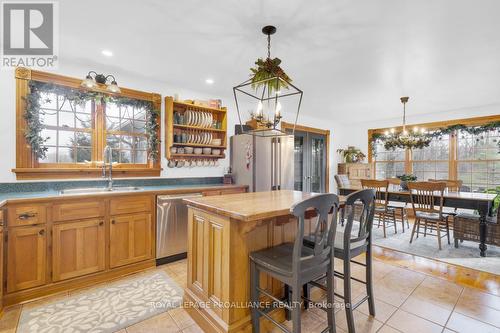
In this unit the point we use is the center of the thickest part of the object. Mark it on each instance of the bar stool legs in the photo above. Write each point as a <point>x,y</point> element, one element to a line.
<point>347,295</point>
<point>254,296</point>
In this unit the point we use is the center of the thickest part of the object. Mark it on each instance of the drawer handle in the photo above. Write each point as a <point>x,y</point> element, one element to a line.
<point>101,223</point>
<point>41,232</point>
<point>113,221</point>
<point>26,216</point>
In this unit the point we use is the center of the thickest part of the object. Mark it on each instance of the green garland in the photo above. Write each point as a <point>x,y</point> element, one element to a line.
<point>34,125</point>
<point>424,140</point>
<point>266,70</point>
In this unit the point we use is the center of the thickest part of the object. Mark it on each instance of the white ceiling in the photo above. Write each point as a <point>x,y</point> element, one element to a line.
<point>352,58</point>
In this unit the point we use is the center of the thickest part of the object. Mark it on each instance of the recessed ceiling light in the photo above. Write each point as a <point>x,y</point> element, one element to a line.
<point>107,53</point>
<point>209,81</point>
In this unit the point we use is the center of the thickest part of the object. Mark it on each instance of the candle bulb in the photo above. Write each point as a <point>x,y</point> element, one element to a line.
<point>278,110</point>
<point>259,109</point>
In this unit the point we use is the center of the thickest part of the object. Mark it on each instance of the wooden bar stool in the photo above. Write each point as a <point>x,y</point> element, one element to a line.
<point>295,264</point>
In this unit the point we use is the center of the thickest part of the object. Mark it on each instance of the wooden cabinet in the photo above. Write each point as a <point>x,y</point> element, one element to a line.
<point>78,248</point>
<point>130,239</point>
<point>355,172</point>
<point>27,257</point>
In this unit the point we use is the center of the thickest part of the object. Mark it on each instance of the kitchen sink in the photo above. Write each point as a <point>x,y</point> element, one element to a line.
<point>90,190</point>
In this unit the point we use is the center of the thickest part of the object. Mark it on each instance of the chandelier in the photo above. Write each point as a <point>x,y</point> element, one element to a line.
<point>415,138</point>
<point>267,94</point>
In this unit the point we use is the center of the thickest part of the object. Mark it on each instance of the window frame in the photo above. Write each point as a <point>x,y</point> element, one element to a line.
<point>453,144</point>
<point>27,165</point>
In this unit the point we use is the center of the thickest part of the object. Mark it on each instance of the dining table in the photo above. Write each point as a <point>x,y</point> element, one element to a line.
<point>480,202</point>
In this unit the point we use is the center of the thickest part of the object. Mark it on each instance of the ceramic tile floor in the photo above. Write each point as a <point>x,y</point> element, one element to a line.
<point>406,301</point>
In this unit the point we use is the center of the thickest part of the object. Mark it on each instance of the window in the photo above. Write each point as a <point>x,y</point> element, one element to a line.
<point>474,159</point>
<point>432,162</point>
<point>126,134</point>
<point>389,163</point>
<point>478,160</point>
<point>68,129</point>
<point>77,133</point>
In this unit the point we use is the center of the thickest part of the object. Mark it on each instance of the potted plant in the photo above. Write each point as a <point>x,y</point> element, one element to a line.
<point>405,178</point>
<point>352,154</point>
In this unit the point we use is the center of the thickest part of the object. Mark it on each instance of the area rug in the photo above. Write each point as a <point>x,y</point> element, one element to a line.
<point>106,309</point>
<point>467,253</point>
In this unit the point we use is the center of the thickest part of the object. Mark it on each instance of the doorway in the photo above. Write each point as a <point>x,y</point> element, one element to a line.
<point>311,169</point>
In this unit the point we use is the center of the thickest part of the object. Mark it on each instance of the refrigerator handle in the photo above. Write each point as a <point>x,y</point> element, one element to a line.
<point>278,157</point>
<point>273,166</point>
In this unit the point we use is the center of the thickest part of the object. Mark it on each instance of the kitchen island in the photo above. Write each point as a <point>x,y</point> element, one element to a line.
<point>222,231</point>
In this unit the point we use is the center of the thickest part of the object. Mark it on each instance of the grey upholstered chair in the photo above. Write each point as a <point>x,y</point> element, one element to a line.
<point>342,181</point>
<point>351,241</point>
<point>295,264</point>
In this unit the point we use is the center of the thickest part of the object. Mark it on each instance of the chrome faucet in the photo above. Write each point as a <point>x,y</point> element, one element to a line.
<point>109,156</point>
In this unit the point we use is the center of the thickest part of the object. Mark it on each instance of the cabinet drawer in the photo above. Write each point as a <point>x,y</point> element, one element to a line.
<point>212,193</point>
<point>20,215</point>
<point>233,190</point>
<point>75,210</point>
<point>131,204</point>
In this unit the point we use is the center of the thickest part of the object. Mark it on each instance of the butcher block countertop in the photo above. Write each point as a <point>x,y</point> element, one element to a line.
<point>250,206</point>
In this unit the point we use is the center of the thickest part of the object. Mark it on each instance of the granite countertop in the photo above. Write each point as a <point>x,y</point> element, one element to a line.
<point>51,193</point>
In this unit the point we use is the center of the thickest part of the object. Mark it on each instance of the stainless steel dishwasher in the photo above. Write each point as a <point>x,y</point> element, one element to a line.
<point>171,227</point>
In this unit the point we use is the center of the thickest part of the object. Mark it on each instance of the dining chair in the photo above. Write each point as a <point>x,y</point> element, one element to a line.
<point>424,196</point>
<point>295,264</point>
<point>452,185</point>
<point>351,241</point>
<point>401,208</point>
<point>382,209</point>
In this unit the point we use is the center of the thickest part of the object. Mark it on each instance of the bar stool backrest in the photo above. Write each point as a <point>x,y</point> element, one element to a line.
<point>423,196</point>
<point>380,187</point>
<point>360,208</point>
<point>326,207</point>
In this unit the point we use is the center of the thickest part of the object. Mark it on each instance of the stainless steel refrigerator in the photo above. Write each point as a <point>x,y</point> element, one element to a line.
<point>262,163</point>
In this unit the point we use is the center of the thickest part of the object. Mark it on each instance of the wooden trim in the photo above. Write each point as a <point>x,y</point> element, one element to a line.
<point>288,126</point>
<point>27,166</point>
<point>476,121</point>
<point>302,128</point>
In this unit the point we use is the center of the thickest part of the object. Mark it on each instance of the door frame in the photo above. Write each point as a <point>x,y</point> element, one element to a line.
<point>288,126</point>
